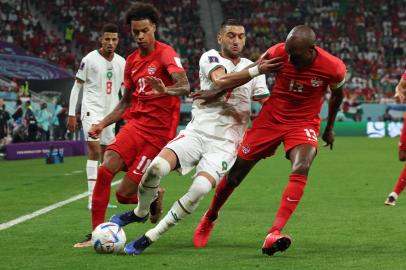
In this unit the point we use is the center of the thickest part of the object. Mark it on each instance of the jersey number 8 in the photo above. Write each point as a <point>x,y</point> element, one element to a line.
<point>109,87</point>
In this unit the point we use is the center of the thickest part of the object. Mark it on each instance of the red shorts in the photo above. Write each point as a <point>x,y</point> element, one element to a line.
<point>262,142</point>
<point>135,150</point>
<point>402,141</point>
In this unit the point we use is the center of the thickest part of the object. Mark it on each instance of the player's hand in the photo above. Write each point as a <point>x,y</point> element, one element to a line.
<point>95,130</point>
<point>157,85</point>
<point>71,123</point>
<point>208,96</point>
<point>328,137</point>
<point>400,95</point>
<point>269,65</point>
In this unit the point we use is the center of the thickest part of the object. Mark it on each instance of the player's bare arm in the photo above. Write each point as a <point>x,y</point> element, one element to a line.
<point>114,116</point>
<point>235,79</point>
<point>180,88</point>
<point>333,107</point>
<point>400,91</point>
<point>74,95</point>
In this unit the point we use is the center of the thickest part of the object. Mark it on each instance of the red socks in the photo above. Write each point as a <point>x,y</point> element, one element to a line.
<point>127,200</point>
<point>101,195</point>
<point>290,199</point>
<point>223,191</point>
<point>400,185</point>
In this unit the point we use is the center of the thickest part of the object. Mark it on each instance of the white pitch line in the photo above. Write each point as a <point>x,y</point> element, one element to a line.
<point>44,210</point>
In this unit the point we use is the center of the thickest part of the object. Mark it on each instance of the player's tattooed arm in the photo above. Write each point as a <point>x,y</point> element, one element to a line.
<point>180,88</point>
<point>336,98</point>
<point>114,116</point>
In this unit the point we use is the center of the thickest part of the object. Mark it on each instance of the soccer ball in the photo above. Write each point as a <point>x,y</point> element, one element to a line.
<point>108,237</point>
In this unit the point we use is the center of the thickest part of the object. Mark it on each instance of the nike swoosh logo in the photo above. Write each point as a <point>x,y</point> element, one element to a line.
<point>135,172</point>
<point>291,200</point>
<point>132,72</point>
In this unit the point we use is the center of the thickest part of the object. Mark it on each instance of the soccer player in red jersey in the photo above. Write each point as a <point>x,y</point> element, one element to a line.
<point>153,80</point>
<point>289,116</point>
<point>401,184</point>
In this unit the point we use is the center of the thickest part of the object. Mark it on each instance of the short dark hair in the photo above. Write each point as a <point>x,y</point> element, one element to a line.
<point>142,11</point>
<point>110,28</point>
<point>228,22</point>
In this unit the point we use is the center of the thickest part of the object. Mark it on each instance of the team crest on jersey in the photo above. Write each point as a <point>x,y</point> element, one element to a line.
<point>213,59</point>
<point>245,149</point>
<point>316,82</point>
<point>151,69</point>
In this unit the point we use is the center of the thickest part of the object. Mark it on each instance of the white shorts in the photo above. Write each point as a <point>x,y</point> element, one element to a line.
<point>210,155</point>
<point>107,135</point>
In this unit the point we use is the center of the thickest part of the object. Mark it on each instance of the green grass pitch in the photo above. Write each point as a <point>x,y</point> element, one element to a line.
<point>341,222</point>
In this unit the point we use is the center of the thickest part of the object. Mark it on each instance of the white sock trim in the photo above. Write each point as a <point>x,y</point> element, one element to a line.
<point>394,195</point>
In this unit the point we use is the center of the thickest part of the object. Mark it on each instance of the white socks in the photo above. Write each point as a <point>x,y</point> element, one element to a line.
<point>181,208</point>
<point>148,187</point>
<point>91,173</point>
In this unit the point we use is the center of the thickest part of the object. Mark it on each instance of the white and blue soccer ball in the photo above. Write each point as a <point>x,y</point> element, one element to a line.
<point>108,237</point>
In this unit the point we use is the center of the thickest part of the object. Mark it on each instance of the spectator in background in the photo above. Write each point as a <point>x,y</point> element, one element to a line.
<point>24,90</point>
<point>4,117</point>
<point>387,117</point>
<point>56,130</point>
<point>18,114</point>
<point>43,122</point>
<point>30,122</point>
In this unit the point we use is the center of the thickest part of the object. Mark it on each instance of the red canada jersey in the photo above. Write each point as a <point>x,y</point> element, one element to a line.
<point>404,76</point>
<point>155,115</point>
<point>297,94</point>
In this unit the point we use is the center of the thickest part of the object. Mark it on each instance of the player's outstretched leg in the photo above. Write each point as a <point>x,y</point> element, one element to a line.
<point>275,242</point>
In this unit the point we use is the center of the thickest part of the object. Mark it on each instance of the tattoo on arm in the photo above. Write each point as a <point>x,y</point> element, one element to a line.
<point>181,86</point>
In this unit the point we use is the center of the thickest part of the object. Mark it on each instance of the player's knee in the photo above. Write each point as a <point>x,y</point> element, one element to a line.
<point>301,167</point>
<point>112,162</point>
<point>159,168</point>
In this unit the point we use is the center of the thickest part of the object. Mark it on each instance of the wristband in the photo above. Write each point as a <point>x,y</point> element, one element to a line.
<point>254,71</point>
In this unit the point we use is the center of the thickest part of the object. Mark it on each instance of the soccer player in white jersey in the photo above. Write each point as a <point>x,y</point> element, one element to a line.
<point>100,76</point>
<point>209,141</point>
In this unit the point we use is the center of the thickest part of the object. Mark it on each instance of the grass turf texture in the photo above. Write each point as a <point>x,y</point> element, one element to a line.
<point>341,222</point>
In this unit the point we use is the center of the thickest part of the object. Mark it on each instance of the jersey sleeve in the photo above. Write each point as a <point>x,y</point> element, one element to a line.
<point>209,63</point>
<point>404,76</point>
<point>338,78</point>
<point>274,51</point>
<point>171,61</point>
<point>128,81</point>
<point>260,89</point>
<point>83,68</point>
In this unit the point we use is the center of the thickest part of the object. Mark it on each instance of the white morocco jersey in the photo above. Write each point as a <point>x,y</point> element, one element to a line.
<point>228,118</point>
<point>102,82</point>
